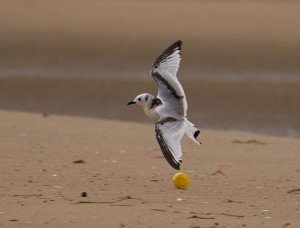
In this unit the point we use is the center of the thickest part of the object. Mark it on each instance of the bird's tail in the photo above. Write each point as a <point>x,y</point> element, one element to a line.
<point>192,132</point>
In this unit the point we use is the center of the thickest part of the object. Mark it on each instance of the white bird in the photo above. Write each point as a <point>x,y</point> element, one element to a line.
<point>169,106</point>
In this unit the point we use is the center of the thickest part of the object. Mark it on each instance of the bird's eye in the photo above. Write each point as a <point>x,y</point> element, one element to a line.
<point>139,99</point>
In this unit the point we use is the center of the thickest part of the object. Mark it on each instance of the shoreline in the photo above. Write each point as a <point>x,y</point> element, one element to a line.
<point>268,108</point>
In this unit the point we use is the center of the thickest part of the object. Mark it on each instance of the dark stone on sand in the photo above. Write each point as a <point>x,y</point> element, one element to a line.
<point>83,194</point>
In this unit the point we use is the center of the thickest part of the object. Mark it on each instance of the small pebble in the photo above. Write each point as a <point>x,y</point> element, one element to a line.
<point>83,194</point>
<point>13,220</point>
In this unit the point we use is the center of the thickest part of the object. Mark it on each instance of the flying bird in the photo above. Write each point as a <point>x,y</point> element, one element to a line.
<point>169,107</point>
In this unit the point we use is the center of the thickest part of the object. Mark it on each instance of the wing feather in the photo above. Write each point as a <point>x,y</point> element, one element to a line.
<point>169,59</point>
<point>169,132</point>
<point>164,71</point>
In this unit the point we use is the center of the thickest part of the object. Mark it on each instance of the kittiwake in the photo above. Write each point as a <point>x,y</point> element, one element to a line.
<point>169,107</point>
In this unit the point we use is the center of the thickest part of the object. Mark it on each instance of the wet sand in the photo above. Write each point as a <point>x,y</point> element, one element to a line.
<point>238,179</point>
<point>266,108</point>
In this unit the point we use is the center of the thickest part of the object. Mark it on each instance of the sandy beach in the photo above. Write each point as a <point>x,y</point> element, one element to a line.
<point>238,179</point>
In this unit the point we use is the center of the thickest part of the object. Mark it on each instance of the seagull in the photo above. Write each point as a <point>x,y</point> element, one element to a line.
<point>169,107</point>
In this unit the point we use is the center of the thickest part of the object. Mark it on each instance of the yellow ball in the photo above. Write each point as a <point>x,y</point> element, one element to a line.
<point>181,180</point>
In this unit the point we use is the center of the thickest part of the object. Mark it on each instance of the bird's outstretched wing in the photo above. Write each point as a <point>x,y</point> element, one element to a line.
<point>169,132</point>
<point>164,71</point>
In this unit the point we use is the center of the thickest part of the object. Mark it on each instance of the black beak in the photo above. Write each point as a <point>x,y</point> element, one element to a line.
<point>131,102</point>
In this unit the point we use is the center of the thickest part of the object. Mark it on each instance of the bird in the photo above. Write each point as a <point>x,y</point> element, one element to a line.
<point>169,107</point>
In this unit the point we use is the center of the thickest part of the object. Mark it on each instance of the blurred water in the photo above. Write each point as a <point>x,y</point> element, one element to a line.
<point>261,107</point>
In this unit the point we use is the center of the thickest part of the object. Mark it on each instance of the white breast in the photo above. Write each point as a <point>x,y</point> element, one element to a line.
<point>151,113</point>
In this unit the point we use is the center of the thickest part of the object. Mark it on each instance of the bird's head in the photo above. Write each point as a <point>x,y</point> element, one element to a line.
<point>141,99</point>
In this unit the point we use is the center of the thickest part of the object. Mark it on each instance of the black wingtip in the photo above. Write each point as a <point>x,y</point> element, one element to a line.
<point>173,46</point>
<point>175,165</point>
<point>178,43</point>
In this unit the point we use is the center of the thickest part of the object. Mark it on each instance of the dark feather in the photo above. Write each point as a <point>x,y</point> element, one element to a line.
<point>165,148</point>
<point>169,51</point>
<point>155,102</point>
<point>157,76</point>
